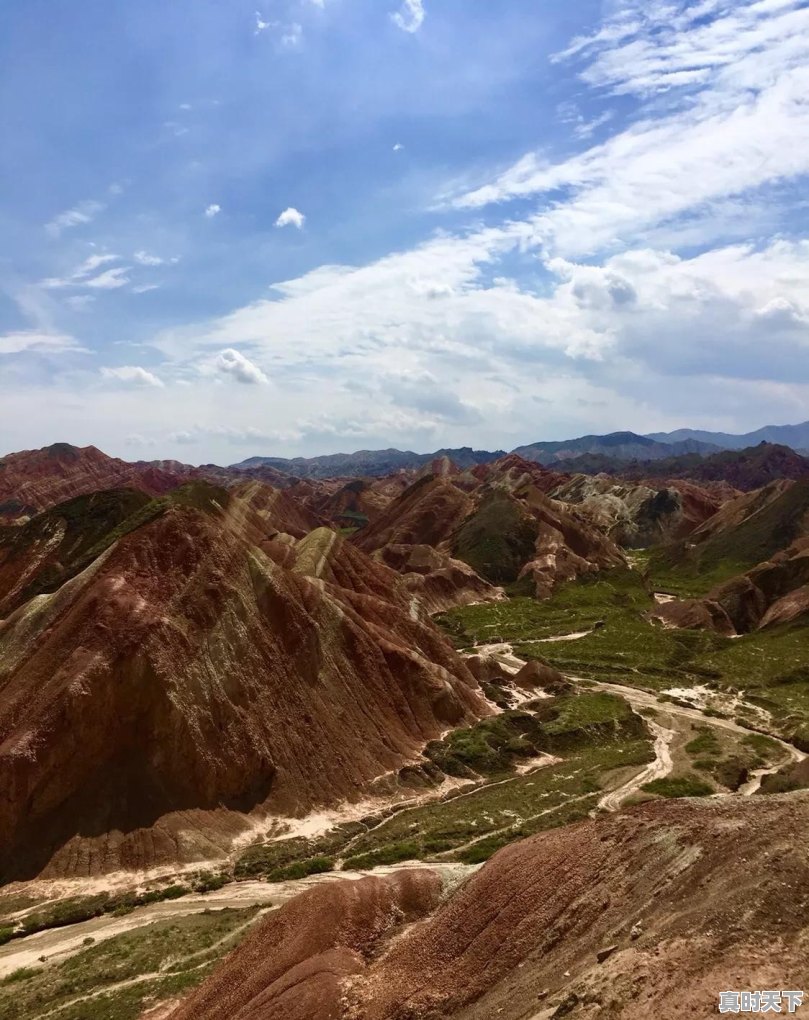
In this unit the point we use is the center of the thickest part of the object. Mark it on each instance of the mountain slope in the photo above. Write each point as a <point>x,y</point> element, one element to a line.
<point>33,480</point>
<point>651,912</point>
<point>185,678</point>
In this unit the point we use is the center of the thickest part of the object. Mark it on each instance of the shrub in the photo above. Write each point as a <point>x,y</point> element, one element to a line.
<point>301,869</point>
<point>6,934</point>
<point>681,786</point>
<point>392,854</point>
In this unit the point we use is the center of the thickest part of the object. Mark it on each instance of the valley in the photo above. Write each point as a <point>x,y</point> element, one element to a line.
<point>479,666</point>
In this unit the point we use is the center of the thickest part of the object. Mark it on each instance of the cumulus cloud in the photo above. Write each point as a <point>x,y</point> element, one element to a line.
<point>213,210</point>
<point>233,363</point>
<point>133,374</point>
<point>291,218</point>
<point>398,147</point>
<point>410,16</point>
<point>422,391</point>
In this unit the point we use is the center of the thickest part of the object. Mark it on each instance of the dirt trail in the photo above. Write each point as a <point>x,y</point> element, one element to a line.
<point>658,769</point>
<point>59,943</point>
<point>662,764</point>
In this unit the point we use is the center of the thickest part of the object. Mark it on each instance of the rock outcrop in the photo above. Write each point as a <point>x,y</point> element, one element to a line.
<point>640,515</point>
<point>772,593</point>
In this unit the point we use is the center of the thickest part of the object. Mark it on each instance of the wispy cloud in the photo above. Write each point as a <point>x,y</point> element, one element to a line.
<point>112,279</point>
<point>84,212</point>
<point>292,36</point>
<point>410,17</point>
<point>143,258</point>
<point>213,210</point>
<point>261,25</point>
<point>729,134</point>
<point>133,374</point>
<point>36,340</point>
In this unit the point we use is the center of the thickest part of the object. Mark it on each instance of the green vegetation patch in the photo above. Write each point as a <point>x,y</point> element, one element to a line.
<point>497,540</point>
<point>573,608</point>
<point>170,956</point>
<point>679,786</point>
<point>488,748</point>
<point>301,869</point>
<point>705,743</point>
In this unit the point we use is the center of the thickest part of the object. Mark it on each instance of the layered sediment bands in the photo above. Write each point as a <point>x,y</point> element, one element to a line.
<point>651,912</point>
<point>184,671</point>
<point>425,514</point>
<point>641,515</point>
<point>499,521</point>
<point>295,966</point>
<point>774,592</point>
<point>33,480</point>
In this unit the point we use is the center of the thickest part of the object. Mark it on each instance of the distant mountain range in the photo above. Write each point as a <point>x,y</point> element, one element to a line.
<point>616,446</point>
<point>367,462</point>
<point>743,469</point>
<point>796,436</point>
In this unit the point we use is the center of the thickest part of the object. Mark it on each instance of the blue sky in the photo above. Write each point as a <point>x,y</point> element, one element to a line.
<point>312,226</point>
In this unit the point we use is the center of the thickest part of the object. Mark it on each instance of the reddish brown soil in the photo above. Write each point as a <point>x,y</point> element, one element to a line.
<point>425,514</point>
<point>691,897</point>
<point>185,677</point>
<point>295,965</point>
<point>35,479</point>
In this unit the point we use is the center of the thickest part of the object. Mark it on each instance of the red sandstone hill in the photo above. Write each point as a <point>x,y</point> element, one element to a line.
<point>36,479</point>
<point>185,676</point>
<point>505,528</point>
<point>651,912</point>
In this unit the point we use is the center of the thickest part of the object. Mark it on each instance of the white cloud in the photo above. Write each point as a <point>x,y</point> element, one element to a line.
<point>213,210</point>
<point>133,374</point>
<point>291,218</point>
<point>78,278</point>
<point>726,135</point>
<point>233,363</point>
<point>249,436</point>
<point>398,147</point>
<point>262,25</point>
<point>109,280</point>
<point>84,212</point>
<point>292,36</point>
<point>410,17</point>
<point>37,340</point>
<point>143,258</point>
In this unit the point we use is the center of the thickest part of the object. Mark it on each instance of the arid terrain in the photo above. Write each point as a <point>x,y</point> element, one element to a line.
<point>463,739</point>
